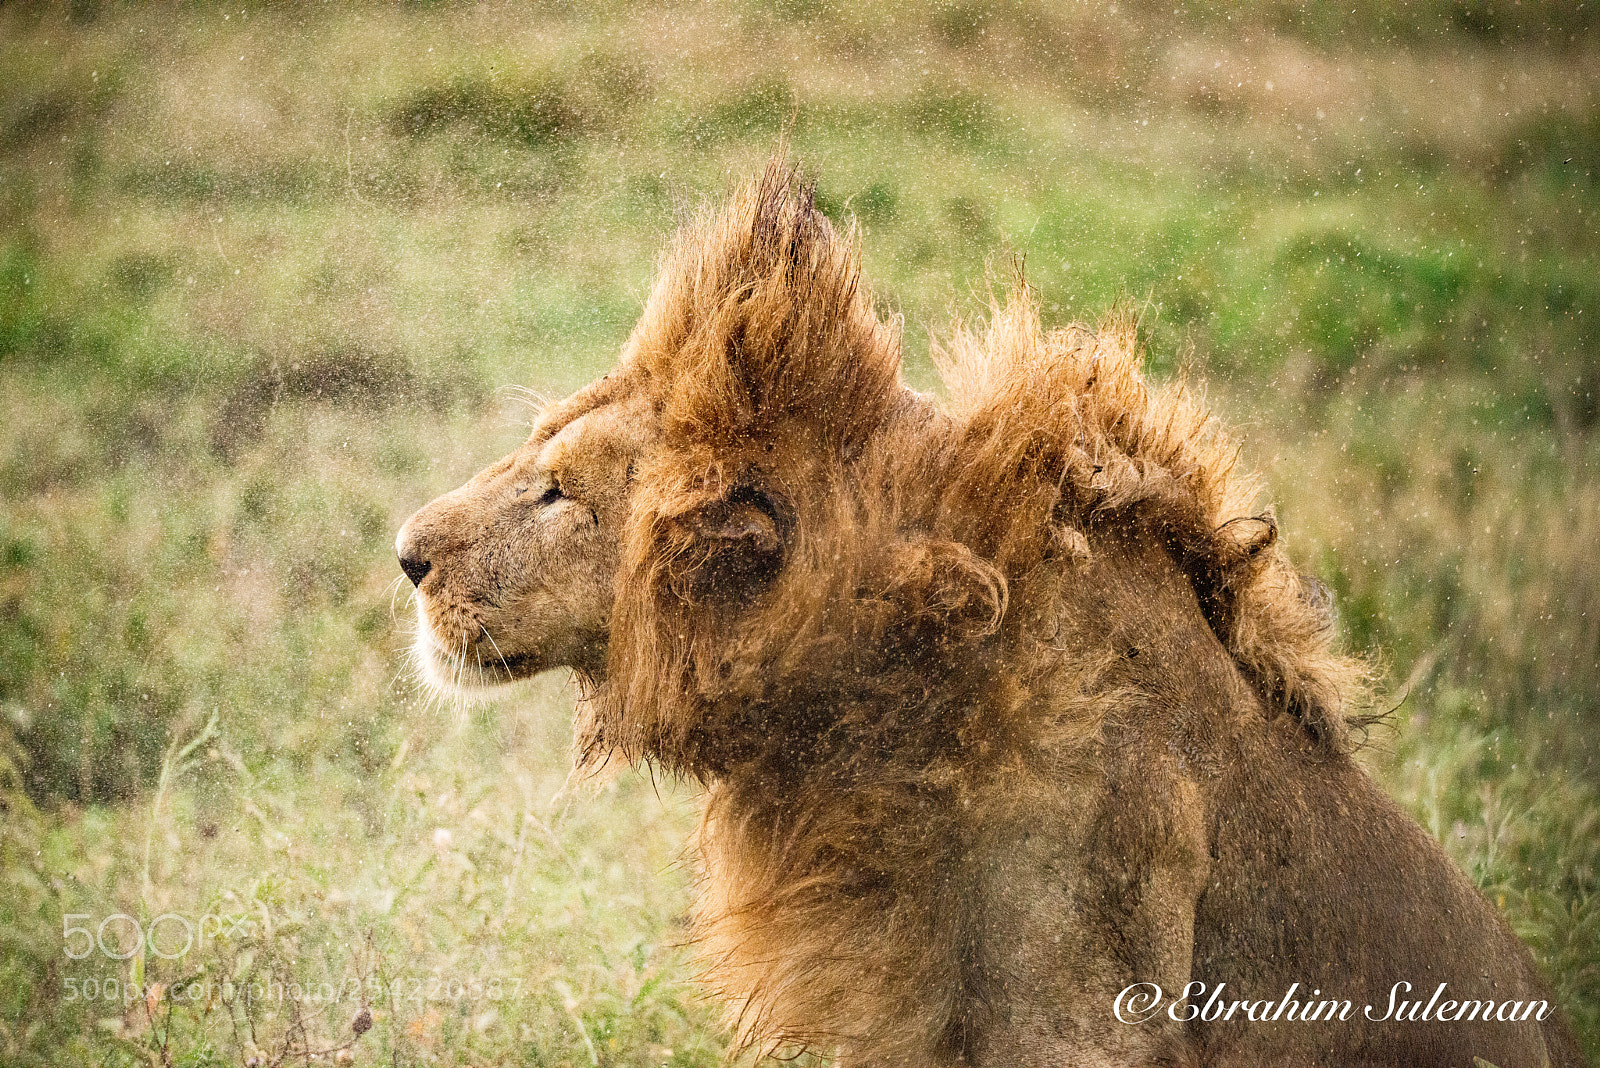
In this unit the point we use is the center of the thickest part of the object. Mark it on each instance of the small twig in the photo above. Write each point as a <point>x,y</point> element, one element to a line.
<point>1424,666</point>
<point>570,1004</point>
<point>349,169</point>
<point>218,239</point>
<point>172,765</point>
<point>518,850</point>
<point>554,842</point>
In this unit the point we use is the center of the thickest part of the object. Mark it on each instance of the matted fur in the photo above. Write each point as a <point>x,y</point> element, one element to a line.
<point>1001,703</point>
<point>1070,410</point>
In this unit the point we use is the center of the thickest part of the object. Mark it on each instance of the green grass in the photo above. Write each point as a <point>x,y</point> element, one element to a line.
<point>265,273</point>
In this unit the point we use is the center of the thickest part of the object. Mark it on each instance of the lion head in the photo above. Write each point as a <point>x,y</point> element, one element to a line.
<point>752,519</point>
<point>515,570</point>
<point>692,475</point>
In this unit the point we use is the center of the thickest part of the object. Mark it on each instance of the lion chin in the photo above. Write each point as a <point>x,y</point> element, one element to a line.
<point>475,670</point>
<point>455,675</point>
<point>1011,712</point>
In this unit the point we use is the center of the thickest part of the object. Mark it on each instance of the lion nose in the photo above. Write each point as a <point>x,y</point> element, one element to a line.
<point>416,570</point>
<point>413,561</point>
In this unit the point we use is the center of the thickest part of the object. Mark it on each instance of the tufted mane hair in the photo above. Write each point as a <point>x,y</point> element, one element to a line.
<point>818,555</point>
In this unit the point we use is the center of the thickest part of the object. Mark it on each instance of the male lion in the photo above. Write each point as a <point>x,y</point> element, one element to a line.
<point>1003,706</point>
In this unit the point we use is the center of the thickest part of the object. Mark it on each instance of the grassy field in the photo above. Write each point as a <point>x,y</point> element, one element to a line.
<point>268,271</point>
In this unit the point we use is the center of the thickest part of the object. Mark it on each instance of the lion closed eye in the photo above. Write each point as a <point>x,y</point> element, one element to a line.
<point>514,571</point>
<point>1004,705</point>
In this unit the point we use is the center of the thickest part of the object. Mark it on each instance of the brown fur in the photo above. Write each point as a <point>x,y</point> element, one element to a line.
<point>1001,705</point>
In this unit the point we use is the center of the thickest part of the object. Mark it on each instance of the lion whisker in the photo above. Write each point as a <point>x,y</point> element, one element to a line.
<point>394,591</point>
<point>497,652</point>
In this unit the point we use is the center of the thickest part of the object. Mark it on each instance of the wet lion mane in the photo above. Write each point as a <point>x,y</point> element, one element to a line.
<point>812,528</point>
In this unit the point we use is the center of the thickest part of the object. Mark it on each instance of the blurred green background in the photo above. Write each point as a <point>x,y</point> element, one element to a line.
<point>267,273</point>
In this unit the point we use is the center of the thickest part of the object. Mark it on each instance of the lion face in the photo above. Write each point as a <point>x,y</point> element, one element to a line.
<point>515,570</point>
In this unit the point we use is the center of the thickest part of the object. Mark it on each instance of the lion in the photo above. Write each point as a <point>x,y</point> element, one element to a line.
<point>1021,740</point>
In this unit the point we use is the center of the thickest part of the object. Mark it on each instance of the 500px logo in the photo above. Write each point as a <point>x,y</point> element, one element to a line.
<point>168,936</point>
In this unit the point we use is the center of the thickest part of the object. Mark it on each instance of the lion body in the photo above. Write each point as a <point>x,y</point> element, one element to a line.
<point>1003,706</point>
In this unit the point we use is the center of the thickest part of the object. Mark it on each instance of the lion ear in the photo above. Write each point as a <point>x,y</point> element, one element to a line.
<point>731,546</point>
